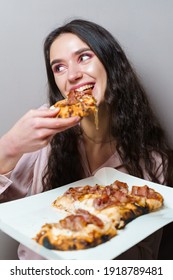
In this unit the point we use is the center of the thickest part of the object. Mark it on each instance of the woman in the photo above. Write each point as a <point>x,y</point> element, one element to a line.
<point>53,152</point>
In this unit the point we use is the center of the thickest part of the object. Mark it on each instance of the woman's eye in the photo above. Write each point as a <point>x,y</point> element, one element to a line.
<point>58,68</point>
<point>85,57</point>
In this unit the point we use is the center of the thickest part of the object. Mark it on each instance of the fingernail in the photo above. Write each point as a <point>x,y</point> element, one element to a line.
<point>52,107</point>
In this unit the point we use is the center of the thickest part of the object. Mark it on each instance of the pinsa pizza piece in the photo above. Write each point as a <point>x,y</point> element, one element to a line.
<point>77,231</point>
<point>114,202</point>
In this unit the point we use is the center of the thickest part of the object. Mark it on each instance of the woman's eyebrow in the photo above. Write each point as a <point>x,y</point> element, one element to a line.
<point>55,61</point>
<point>82,50</point>
<point>75,53</point>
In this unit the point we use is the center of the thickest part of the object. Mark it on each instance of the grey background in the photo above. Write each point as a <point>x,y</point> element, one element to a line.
<point>143,28</point>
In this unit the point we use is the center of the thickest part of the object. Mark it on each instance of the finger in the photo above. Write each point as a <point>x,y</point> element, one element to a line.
<point>46,133</point>
<point>56,123</point>
<point>44,113</point>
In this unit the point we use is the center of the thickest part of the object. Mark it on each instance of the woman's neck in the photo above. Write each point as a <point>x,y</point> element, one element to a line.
<point>91,133</point>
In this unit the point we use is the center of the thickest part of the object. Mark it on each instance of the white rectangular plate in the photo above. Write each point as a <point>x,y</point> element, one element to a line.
<point>22,219</point>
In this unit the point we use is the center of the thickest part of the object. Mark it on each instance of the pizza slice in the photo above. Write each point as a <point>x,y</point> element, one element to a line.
<point>77,231</point>
<point>77,103</point>
<point>114,201</point>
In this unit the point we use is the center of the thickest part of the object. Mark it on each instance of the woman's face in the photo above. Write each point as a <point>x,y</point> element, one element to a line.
<point>76,67</point>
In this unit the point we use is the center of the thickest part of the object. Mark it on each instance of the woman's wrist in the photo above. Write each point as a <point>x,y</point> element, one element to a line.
<point>9,156</point>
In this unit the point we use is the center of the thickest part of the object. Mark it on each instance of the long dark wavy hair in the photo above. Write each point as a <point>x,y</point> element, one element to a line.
<point>132,122</point>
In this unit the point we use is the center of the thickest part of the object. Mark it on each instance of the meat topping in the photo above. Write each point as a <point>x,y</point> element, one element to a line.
<point>78,221</point>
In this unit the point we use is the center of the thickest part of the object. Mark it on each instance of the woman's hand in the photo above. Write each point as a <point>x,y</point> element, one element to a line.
<point>32,132</point>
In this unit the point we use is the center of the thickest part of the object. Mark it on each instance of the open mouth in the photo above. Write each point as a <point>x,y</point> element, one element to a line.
<point>85,88</point>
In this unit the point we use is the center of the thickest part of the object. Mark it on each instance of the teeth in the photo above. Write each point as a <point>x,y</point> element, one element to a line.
<point>84,87</point>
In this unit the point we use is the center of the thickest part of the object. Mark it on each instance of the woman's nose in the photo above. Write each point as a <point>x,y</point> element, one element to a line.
<point>74,73</point>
